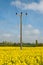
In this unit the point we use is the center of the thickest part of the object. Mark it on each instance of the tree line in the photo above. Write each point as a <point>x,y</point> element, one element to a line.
<point>36,44</point>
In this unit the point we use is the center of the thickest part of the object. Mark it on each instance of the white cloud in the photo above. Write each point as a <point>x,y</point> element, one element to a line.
<point>32,6</point>
<point>18,4</point>
<point>30,34</point>
<point>36,31</point>
<point>6,35</point>
<point>29,29</point>
<point>30,26</point>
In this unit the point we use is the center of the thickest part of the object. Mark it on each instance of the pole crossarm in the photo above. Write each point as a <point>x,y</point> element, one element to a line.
<point>21,14</point>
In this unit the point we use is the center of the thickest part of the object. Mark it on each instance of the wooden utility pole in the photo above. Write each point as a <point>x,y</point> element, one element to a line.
<point>21,28</point>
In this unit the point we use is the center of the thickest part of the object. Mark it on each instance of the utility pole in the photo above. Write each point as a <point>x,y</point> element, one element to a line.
<point>21,28</point>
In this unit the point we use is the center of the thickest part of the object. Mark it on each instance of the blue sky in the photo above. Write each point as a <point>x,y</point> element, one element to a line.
<point>32,23</point>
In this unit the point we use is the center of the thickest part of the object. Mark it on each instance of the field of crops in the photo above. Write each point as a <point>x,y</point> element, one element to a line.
<point>26,56</point>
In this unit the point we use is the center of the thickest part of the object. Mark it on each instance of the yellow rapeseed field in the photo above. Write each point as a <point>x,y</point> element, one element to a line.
<point>26,56</point>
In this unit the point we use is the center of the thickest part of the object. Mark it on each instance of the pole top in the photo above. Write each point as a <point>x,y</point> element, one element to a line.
<point>21,13</point>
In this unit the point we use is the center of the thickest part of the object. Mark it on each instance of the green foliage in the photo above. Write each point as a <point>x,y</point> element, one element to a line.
<point>36,44</point>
